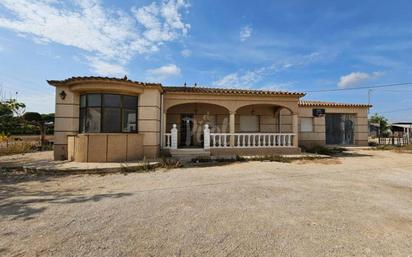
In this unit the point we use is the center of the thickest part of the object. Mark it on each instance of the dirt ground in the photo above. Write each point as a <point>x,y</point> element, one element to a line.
<point>359,205</point>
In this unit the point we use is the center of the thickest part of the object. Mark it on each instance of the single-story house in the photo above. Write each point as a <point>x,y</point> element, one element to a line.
<point>402,129</point>
<point>101,119</point>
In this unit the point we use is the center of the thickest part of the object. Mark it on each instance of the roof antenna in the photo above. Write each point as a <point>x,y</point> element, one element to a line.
<point>125,77</point>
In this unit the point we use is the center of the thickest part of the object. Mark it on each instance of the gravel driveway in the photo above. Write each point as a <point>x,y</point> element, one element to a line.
<point>360,205</point>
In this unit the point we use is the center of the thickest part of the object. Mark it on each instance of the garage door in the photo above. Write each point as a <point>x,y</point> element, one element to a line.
<point>339,129</point>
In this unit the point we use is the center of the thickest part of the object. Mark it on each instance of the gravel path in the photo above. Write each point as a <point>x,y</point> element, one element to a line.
<point>352,206</point>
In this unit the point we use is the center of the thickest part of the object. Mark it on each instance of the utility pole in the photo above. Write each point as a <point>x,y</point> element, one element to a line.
<point>369,98</point>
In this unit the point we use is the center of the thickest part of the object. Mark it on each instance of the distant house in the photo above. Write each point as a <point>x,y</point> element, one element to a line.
<point>402,129</point>
<point>100,119</point>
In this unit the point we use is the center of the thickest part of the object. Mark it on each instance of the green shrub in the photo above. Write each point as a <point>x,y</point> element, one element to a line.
<point>320,149</point>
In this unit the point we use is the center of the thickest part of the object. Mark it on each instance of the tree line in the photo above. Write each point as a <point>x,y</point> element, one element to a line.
<point>14,120</point>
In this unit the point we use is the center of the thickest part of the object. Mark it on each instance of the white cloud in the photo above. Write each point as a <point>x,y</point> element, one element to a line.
<point>283,86</point>
<point>186,53</point>
<point>245,32</point>
<point>113,36</point>
<point>162,21</point>
<point>249,78</point>
<point>106,68</point>
<point>241,79</point>
<point>163,72</point>
<point>355,78</point>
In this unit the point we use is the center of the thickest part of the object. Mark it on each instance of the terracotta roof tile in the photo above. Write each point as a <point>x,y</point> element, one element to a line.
<point>331,104</point>
<point>182,89</point>
<point>90,78</point>
<point>210,90</point>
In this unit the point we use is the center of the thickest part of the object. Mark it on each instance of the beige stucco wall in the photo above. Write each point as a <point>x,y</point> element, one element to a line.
<point>99,147</point>
<point>66,121</point>
<point>67,116</point>
<point>318,136</point>
<point>149,121</point>
<point>272,119</point>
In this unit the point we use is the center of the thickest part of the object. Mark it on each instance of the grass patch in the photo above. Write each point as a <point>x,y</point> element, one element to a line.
<point>17,148</point>
<point>169,163</point>
<point>400,149</point>
<point>145,167</point>
<point>320,149</point>
<point>385,147</point>
<point>271,158</point>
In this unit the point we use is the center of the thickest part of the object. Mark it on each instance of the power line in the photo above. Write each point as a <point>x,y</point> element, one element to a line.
<point>396,91</point>
<point>398,110</point>
<point>359,88</point>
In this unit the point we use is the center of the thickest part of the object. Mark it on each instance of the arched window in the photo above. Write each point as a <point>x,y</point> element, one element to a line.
<point>108,113</point>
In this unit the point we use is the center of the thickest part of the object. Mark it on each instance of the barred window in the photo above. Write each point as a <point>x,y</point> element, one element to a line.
<point>109,113</point>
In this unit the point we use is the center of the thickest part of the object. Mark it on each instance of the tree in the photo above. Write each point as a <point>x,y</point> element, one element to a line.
<point>10,112</point>
<point>36,119</point>
<point>383,124</point>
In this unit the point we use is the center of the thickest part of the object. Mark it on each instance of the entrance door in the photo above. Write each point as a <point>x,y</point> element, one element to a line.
<point>186,130</point>
<point>339,129</point>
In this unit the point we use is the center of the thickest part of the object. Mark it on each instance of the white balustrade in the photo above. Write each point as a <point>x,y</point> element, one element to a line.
<point>167,142</point>
<point>251,140</point>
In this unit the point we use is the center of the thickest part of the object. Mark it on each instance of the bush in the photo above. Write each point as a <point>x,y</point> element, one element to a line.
<point>320,149</point>
<point>16,148</point>
<point>169,163</point>
<point>373,144</point>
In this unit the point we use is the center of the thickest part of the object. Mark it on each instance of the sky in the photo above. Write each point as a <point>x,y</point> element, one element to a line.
<point>289,45</point>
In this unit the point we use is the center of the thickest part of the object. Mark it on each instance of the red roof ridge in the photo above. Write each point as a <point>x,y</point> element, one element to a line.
<point>200,89</point>
<point>85,78</point>
<point>332,104</point>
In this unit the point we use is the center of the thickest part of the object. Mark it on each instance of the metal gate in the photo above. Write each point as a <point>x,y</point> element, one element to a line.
<point>339,129</point>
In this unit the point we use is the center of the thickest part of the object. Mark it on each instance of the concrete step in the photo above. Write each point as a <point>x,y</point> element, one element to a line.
<point>188,154</point>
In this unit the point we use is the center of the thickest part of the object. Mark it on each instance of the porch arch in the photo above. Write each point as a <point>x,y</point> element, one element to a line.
<point>272,118</point>
<point>183,102</point>
<point>292,107</point>
<point>194,116</point>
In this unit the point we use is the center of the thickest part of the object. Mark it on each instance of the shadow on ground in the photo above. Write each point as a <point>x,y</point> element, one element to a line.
<point>20,202</point>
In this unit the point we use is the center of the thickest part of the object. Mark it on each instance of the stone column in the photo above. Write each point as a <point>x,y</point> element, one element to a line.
<point>66,120</point>
<point>295,126</point>
<point>232,128</point>
<point>163,130</point>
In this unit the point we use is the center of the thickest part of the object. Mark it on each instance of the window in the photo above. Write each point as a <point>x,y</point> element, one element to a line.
<point>306,124</point>
<point>108,113</point>
<point>249,123</point>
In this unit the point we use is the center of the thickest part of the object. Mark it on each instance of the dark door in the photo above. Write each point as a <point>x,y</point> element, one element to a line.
<point>186,130</point>
<point>339,129</point>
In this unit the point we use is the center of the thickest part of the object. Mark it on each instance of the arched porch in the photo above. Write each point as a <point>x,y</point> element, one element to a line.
<point>190,120</point>
<point>210,126</point>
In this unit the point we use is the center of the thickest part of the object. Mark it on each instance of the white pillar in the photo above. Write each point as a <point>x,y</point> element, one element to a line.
<point>232,128</point>
<point>295,125</point>
<point>206,137</point>
<point>174,137</point>
<point>163,129</point>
